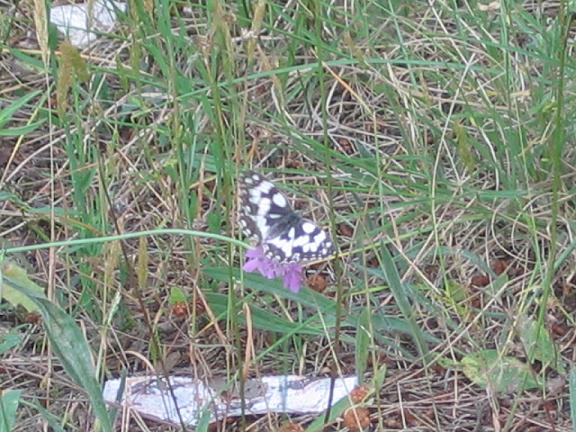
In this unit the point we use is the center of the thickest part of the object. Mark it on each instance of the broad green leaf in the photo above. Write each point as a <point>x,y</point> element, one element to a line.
<point>455,291</point>
<point>538,344</point>
<point>488,368</point>
<point>13,296</point>
<point>177,296</point>
<point>456,295</point>
<point>9,400</point>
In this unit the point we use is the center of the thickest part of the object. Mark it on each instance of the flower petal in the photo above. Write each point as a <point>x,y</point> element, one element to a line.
<point>256,252</point>
<point>293,277</point>
<point>251,266</point>
<point>292,273</point>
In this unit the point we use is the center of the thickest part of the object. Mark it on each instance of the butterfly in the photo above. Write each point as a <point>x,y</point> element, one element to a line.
<point>267,218</point>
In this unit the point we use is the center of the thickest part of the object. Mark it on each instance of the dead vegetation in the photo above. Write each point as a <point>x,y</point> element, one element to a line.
<point>423,130</point>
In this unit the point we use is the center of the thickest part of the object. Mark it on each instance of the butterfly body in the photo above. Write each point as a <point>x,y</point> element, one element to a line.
<point>267,218</point>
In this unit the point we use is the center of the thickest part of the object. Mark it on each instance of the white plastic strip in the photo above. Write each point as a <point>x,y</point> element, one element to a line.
<point>293,394</point>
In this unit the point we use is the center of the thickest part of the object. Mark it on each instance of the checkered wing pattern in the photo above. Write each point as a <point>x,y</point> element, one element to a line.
<point>267,218</point>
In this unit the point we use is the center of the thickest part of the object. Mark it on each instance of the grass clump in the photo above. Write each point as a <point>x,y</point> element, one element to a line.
<point>433,140</point>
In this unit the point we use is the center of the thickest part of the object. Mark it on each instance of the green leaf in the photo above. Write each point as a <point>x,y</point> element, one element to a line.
<point>463,146</point>
<point>13,296</point>
<point>7,113</point>
<point>336,411</point>
<point>177,296</point>
<point>539,345</point>
<point>203,424</point>
<point>22,130</point>
<point>401,294</point>
<point>305,296</point>
<point>52,420</point>
<point>456,295</point>
<point>489,369</point>
<point>9,400</point>
<point>310,298</point>
<point>69,345</point>
<point>455,291</point>
<point>142,265</point>
<point>572,389</point>
<point>380,376</point>
<point>389,324</point>
<point>9,341</point>
<point>363,341</point>
<point>262,319</point>
<point>14,199</point>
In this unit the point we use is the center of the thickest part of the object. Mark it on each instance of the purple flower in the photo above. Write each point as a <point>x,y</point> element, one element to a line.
<point>292,274</point>
<point>257,262</point>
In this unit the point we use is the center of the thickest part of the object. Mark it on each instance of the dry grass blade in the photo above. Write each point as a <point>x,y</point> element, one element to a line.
<point>436,136</point>
<point>41,27</point>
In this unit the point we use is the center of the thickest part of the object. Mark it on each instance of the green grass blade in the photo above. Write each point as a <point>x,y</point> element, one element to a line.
<point>23,130</point>
<point>70,347</point>
<point>402,298</point>
<point>572,389</point>
<point>51,419</point>
<point>261,319</point>
<point>364,339</point>
<point>8,112</point>
<point>306,296</point>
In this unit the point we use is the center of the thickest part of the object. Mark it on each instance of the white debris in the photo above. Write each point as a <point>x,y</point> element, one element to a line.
<point>80,22</point>
<point>151,397</point>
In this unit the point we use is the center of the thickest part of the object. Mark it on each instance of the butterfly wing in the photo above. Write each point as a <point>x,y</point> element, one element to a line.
<point>262,206</point>
<point>300,241</point>
<point>267,218</point>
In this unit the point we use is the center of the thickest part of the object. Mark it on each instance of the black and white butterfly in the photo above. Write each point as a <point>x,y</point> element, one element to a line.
<point>267,218</point>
